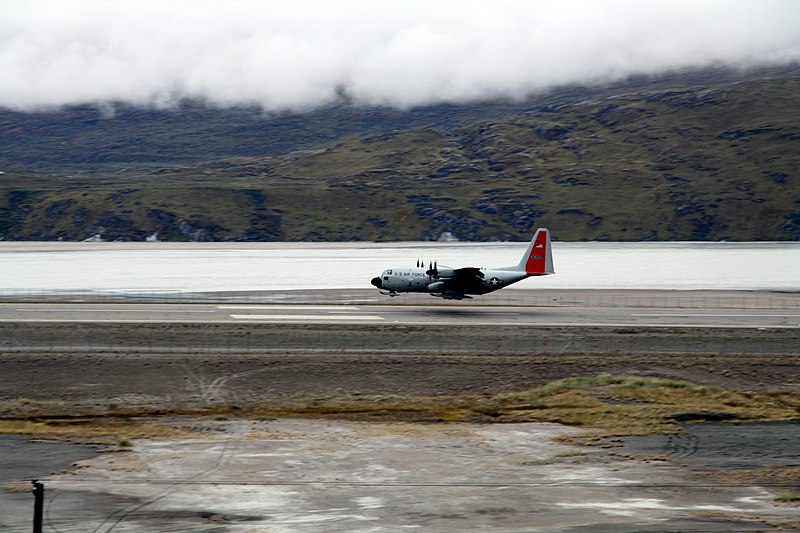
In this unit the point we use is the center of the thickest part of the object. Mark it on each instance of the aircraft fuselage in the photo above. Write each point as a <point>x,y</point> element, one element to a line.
<point>457,283</point>
<point>417,280</point>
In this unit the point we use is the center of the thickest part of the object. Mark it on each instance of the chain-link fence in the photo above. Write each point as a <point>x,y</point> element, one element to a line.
<point>636,298</point>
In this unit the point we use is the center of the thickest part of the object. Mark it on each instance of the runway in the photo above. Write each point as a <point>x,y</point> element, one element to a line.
<point>409,315</point>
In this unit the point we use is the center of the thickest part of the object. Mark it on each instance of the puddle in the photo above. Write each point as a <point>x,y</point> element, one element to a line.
<point>725,445</point>
<point>22,460</point>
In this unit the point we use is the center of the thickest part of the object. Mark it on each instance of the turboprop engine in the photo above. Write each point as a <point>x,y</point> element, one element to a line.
<point>436,286</point>
<point>445,272</point>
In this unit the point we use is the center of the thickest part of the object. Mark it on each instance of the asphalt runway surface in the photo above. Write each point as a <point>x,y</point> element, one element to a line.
<point>98,312</point>
<point>369,345</point>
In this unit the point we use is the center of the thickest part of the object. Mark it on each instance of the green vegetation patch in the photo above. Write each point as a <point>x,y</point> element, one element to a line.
<point>628,405</point>
<point>606,405</point>
<point>788,496</point>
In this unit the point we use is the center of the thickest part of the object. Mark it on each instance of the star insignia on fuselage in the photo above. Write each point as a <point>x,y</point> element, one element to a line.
<point>494,282</point>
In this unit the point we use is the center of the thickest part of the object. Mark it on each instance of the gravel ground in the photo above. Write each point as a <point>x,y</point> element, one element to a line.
<point>511,477</point>
<point>203,362</point>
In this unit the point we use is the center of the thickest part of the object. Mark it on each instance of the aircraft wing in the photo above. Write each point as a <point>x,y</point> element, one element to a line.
<point>468,273</point>
<point>457,279</point>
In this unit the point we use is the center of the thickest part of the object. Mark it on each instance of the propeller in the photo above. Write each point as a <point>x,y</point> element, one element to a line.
<point>432,272</point>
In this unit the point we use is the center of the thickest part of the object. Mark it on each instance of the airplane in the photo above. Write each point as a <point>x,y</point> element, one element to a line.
<point>458,283</point>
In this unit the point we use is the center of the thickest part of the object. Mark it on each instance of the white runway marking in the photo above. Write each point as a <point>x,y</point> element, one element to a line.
<point>108,321</point>
<point>73,310</point>
<point>284,307</point>
<point>725,315</point>
<point>306,317</point>
<point>627,325</point>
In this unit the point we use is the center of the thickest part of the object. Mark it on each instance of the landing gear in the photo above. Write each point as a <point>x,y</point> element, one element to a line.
<point>451,296</point>
<point>390,293</point>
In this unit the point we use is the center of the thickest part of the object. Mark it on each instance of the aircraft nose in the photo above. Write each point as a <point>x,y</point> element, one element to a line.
<point>377,282</point>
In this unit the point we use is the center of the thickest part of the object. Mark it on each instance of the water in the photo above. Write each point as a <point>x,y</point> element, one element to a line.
<point>201,267</point>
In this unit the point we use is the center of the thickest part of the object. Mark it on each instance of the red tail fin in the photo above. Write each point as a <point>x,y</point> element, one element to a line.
<point>539,261</point>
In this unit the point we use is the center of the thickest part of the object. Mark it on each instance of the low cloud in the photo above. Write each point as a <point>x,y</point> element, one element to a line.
<point>301,54</point>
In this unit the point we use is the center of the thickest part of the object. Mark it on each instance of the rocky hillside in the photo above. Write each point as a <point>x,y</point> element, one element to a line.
<point>711,156</point>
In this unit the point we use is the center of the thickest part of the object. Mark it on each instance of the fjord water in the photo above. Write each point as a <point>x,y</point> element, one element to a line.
<point>202,267</point>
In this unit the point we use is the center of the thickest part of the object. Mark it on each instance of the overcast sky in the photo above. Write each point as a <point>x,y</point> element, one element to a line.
<point>298,54</point>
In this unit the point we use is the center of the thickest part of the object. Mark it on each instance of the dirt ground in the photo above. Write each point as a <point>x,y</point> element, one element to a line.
<point>145,363</point>
<point>300,475</point>
<point>311,475</point>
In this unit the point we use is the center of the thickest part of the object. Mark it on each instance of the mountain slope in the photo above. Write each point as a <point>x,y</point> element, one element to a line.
<point>706,158</point>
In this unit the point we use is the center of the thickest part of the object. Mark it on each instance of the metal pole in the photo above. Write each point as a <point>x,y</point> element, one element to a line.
<point>38,505</point>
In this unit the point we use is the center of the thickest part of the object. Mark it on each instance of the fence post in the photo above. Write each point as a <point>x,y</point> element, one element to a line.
<point>38,505</point>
